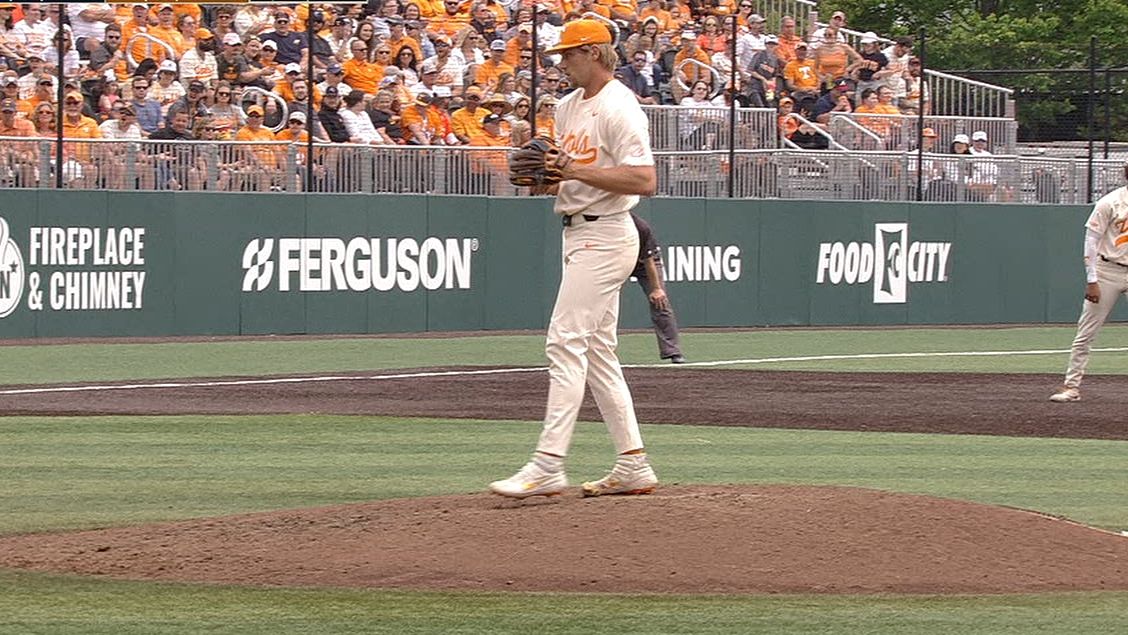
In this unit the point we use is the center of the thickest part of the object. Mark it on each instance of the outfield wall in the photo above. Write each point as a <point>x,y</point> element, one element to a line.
<point>149,263</point>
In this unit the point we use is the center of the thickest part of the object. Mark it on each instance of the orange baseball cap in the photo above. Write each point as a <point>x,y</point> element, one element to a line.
<point>255,110</point>
<point>581,32</point>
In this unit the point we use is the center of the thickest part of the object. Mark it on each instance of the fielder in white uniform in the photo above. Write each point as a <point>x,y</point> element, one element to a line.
<point>1106,279</point>
<point>602,128</point>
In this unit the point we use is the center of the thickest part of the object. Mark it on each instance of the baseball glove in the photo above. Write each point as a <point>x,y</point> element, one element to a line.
<point>538,162</point>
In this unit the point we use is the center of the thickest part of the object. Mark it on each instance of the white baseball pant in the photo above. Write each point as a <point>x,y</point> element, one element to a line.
<point>599,255</point>
<point>1113,282</point>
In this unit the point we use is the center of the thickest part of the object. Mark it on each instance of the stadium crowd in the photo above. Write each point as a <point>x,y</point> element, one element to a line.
<point>417,72</point>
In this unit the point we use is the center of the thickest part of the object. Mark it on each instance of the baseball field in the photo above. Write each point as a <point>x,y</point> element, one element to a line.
<point>900,480</point>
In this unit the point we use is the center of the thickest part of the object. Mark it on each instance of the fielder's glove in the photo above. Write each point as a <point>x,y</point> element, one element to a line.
<point>538,162</point>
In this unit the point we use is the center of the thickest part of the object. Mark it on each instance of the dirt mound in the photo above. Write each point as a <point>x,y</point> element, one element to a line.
<point>699,539</point>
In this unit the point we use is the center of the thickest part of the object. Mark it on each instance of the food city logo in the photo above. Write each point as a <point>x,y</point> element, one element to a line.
<point>357,264</point>
<point>73,269</point>
<point>890,261</point>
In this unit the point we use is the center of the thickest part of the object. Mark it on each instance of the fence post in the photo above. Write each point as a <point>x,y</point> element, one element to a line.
<point>920,118</point>
<point>1107,109</point>
<point>732,113</point>
<point>1090,112</point>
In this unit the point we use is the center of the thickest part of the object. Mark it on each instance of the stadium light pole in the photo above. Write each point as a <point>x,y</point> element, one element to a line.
<point>533,71</point>
<point>60,94</point>
<point>922,37</point>
<point>309,97</point>
<point>732,113</point>
<point>1090,112</point>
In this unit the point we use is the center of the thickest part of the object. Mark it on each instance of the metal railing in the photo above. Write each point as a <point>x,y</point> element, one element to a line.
<point>952,94</point>
<point>707,127</point>
<point>862,131</point>
<point>884,176</point>
<point>343,168</point>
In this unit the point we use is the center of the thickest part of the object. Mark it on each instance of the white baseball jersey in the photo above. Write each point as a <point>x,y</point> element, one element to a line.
<point>607,130</point>
<point>1109,220</point>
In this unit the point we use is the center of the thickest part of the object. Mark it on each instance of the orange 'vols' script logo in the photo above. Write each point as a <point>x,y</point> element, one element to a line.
<point>1122,225</point>
<point>580,149</point>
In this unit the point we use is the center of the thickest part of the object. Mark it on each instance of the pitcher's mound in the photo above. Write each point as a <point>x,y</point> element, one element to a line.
<point>699,539</point>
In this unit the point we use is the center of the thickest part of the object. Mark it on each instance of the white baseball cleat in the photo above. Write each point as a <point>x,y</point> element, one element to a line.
<point>531,480</point>
<point>631,474</point>
<point>1065,395</point>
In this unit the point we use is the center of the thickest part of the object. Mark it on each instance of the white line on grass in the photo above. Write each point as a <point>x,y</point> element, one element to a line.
<point>502,371</point>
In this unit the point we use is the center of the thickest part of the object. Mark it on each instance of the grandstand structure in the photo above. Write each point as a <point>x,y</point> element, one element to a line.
<point>717,149</point>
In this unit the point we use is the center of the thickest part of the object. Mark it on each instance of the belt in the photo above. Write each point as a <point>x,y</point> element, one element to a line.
<point>1114,262</point>
<point>567,220</point>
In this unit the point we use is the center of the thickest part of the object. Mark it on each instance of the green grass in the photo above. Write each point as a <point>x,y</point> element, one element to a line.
<point>35,603</point>
<point>111,361</point>
<point>64,473</point>
<point>83,472</point>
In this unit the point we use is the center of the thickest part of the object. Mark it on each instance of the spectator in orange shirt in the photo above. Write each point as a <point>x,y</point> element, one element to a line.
<point>690,72</point>
<point>499,105</point>
<point>360,74</point>
<point>440,115</point>
<point>880,102</point>
<point>419,127</point>
<point>513,48</point>
<point>295,128</point>
<point>166,30</point>
<point>17,159</point>
<point>397,40</point>
<point>800,76</point>
<point>546,117</point>
<point>788,39</point>
<point>712,39</point>
<point>467,121</point>
<point>263,158</point>
<point>488,71</point>
<point>455,17</point>
<point>187,26</point>
<point>663,18</point>
<point>78,126</point>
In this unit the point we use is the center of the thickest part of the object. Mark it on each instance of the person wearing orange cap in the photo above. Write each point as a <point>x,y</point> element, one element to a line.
<point>166,31</point>
<point>606,164</point>
<point>262,157</point>
<point>76,125</point>
<point>467,121</point>
<point>198,62</point>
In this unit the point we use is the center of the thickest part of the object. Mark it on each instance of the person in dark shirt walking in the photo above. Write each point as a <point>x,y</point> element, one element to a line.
<point>648,271</point>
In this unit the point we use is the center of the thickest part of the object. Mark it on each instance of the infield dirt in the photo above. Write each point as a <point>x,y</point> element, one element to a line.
<point>682,539</point>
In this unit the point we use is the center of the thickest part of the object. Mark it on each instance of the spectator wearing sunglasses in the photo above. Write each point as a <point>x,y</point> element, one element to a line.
<point>293,47</point>
<point>108,53</point>
<point>148,110</point>
<point>44,93</point>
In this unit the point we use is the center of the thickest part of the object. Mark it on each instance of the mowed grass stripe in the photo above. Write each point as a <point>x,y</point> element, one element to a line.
<point>61,473</point>
<point>47,364</point>
<point>59,605</point>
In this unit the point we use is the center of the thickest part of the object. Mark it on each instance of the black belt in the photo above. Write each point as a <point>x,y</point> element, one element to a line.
<point>567,220</point>
<point>1113,262</point>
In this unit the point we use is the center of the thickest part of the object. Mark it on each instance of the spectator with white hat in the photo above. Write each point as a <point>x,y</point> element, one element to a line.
<point>167,88</point>
<point>488,72</point>
<point>751,43</point>
<point>689,73</point>
<point>979,142</point>
<point>869,70</point>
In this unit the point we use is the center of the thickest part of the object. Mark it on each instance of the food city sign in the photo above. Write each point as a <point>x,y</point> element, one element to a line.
<point>891,262</point>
